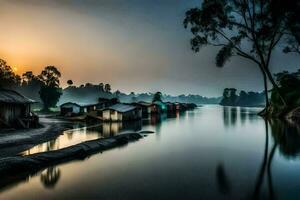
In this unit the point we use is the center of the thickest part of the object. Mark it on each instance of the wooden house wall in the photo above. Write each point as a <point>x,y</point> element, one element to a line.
<point>10,112</point>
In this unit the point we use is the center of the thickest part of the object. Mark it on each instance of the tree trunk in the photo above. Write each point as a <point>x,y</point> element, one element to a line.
<point>275,86</point>
<point>266,89</point>
<point>265,86</point>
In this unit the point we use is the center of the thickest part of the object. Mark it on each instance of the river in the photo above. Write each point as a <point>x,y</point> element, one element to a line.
<point>212,152</point>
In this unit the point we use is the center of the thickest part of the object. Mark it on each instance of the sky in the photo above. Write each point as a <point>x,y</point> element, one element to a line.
<point>135,45</point>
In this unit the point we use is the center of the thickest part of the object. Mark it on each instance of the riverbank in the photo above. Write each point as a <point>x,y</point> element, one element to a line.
<point>18,168</point>
<point>13,142</point>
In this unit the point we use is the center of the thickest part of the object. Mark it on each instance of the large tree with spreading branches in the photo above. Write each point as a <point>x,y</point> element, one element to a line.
<point>251,29</point>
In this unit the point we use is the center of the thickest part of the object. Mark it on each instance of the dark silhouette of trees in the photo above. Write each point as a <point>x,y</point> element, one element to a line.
<point>31,85</point>
<point>107,88</point>
<point>230,98</point>
<point>51,177</point>
<point>101,87</point>
<point>250,29</point>
<point>8,79</point>
<point>157,97</point>
<point>50,91</point>
<point>289,84</point>
<point>70,82</point>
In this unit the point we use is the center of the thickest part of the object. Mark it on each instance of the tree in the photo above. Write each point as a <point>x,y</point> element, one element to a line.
<point>27,77</point>
<point>70,82</point>
<point>107,88</point>
<point>50,91</point>
<point>8,79</point>
<point>101,87</point>
<point>50,76</point>
<point>157,97</point>
<point>118,94</point>
<point>31,85</point>
<point>251,29</point>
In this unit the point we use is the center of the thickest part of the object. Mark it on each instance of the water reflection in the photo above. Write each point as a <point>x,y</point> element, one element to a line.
<point>224,184</point>
<point>78,135</point>
<point>231,115</point>
<point>50,177</point>
<point>239,165</point>
<point>104,130</point>
<point>287,135</point>
<point>243,114</point>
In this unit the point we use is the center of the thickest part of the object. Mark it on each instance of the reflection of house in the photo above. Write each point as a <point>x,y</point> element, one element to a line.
<point>15,110</point>
<point>121,112</point>
<point>145,106</point>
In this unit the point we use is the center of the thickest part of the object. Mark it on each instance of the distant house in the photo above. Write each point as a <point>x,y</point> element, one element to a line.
<point>178,106</point>
<point>15,110</point>
<point>71,108</point>
<point>121,112</point>
<point>158,107</point>
<point>171,107</point>
<point>145,106</point>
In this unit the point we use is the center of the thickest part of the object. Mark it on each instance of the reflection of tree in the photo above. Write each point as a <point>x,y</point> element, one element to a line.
<point>243,114</point>
<point>233,115</point>
<point>229,116</point>
<point>226,117</point>
<point>262,170</point>
<point>222,180</point>
<point>287,135</point>
<point>50,177</point>
<point>51,145</point>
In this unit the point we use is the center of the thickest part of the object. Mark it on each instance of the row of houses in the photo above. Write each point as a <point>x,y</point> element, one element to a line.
<point>113,110</point>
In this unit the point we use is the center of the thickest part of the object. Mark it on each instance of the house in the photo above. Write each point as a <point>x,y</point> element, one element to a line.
<point>171,107</point>
<point>15,110</point>
<point>70,108</point>
<point>158,107</point>
<point>121,112</point>
<point>178,106</point>
<point>145,106</point>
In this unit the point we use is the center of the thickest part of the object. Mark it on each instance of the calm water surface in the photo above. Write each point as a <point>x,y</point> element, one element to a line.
<point>209,153</point>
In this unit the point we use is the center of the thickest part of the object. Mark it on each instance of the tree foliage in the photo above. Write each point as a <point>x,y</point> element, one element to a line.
<point>50,91</point>
<point>8,79</point>
<point>157,97</point>
<point>251,29</point>
<point>70,82</point>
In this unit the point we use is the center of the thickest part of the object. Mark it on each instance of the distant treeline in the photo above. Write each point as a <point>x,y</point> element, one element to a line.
<point>244,99</point>
<point>45,88</point>
<point>90,93</point>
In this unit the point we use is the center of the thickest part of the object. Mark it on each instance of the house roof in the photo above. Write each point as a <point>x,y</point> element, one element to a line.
<point>79,104</point>
<point>121,107</point>
<point>142,103</point>
<point>75,104</point>
<point>11,96</point>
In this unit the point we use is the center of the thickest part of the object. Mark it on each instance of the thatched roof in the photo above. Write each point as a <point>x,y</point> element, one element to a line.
<point>10,96</point>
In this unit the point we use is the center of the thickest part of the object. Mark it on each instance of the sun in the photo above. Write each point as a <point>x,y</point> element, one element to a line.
<point>15,69</point>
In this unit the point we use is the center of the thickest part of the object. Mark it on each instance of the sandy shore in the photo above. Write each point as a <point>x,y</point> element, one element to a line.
<point>14,142</point>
